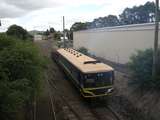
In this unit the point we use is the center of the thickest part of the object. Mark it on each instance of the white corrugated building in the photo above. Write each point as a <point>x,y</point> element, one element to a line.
<point>38,37</point>
<point>116,44</point>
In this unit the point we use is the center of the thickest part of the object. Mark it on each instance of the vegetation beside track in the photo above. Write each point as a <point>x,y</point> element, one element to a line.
<point>21,71</point>
<point>141,70</point>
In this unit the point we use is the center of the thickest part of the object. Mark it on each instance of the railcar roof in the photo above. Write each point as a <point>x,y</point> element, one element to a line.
<point>82,62</point>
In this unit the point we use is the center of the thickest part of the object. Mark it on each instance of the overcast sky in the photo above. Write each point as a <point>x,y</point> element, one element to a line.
<point>40,14</point>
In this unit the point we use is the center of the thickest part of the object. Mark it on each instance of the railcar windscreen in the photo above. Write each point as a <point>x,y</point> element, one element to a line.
<point>98,79</point>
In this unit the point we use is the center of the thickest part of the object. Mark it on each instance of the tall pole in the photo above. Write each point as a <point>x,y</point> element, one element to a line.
<point>64,32</point>
<point>155,52</point>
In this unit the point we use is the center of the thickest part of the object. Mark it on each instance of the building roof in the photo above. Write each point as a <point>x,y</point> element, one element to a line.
<point>84,63</point>
<point>131,27</point>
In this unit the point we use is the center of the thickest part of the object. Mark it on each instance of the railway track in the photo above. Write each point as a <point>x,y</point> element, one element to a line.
<point>80,110</point>
<point>71,107</point>
<point>66,106</point>
<point>74,107</point>
<point>104,113</point>
<point>100,113</point>
<point>52,100</point>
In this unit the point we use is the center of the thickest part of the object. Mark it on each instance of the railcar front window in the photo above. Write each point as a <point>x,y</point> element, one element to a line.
<point>89,81</point>
<point>104,79</point>
<point>98,79</point>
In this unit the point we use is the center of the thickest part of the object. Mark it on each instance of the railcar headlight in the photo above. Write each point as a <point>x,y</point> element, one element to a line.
<point>110,90</point>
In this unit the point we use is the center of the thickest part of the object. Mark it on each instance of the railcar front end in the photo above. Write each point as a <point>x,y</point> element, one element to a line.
<point>91,77</point>
<point>98,84</point>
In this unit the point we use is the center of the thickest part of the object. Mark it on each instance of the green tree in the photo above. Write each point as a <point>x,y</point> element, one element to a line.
<point>21,69</point>
<point>78,26</point>
<point>46,32</point>
<point>138,14</point>
<point>112,20</point>
<point>57,35</point>
<point>108,21</point>
<point>18,32</point>
<point>51,30</point>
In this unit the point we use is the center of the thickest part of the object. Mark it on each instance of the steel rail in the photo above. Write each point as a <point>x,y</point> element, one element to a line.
<point>63,98</point>
<point>52,103</point>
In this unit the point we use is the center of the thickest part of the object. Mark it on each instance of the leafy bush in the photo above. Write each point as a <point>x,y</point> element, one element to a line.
<point>6,42</point>
<point>57,35</point>
<point>83,50</point>
<point>21,69</point>
<point>18,32</point>
<point>141,67</point>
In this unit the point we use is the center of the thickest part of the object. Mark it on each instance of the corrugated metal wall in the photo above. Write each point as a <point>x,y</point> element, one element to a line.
<point>116,44</point>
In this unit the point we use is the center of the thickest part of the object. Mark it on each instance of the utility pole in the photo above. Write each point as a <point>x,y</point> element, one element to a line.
<point>155,52</point>
<point>64,32</point>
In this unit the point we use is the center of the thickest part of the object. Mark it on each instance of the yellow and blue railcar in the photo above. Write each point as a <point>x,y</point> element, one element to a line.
<point>91,77</point>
